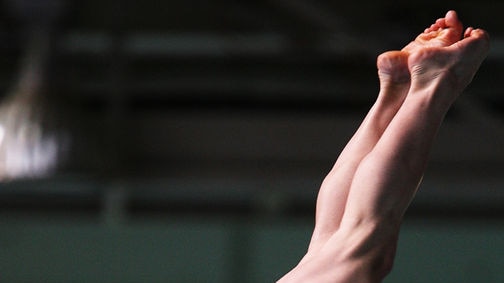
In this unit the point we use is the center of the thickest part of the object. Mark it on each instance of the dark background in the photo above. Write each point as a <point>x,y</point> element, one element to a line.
<point>236,110</point>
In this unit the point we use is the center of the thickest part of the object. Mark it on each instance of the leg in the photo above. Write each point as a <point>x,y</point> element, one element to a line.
<point>388,177</point>
<point>397,162</point>
<point>388,169</point>
<point>394,85</point>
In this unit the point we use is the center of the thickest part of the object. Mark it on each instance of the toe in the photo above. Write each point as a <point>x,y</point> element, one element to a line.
<point>453,21</point>
<point>468,32</point>
<point>477,41</point>
<point>441,23</point>
<point>482,37</point>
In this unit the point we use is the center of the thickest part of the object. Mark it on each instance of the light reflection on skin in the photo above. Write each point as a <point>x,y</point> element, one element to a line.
<point>2,132</point>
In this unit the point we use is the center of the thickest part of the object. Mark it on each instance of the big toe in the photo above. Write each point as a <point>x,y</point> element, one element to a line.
<point>452,21</point>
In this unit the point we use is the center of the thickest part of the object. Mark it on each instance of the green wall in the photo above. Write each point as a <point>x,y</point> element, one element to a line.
<point>222,249</point>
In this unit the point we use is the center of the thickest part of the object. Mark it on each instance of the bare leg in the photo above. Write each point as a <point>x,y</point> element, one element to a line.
<point>394,84</point>
<point>388,168</point>
<point>388,177</point>
<point>394,78</point>
<point>397,162</point>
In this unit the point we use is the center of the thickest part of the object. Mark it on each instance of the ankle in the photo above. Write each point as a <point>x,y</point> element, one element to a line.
<point>437,98</point>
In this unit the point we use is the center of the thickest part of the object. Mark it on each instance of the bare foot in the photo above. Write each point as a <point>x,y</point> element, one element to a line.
<point>444,57</point>
<point>393,73</point>
<point>444,32</point>
<point>393,65</point>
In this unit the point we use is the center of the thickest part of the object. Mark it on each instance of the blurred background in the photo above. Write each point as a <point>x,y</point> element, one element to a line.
<point>165,141</point>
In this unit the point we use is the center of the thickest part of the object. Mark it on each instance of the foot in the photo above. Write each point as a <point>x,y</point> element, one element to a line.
<point>444,32</point>
<point>393,73</point>
<point>393,68</point>
<point>445,57</point>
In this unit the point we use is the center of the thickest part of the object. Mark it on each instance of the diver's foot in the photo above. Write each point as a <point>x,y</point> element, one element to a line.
<point>444,32</point>
<point>394,78</point>
<point>452,67</point>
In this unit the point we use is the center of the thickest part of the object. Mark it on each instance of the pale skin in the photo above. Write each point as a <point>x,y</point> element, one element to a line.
<point>362,200</point>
